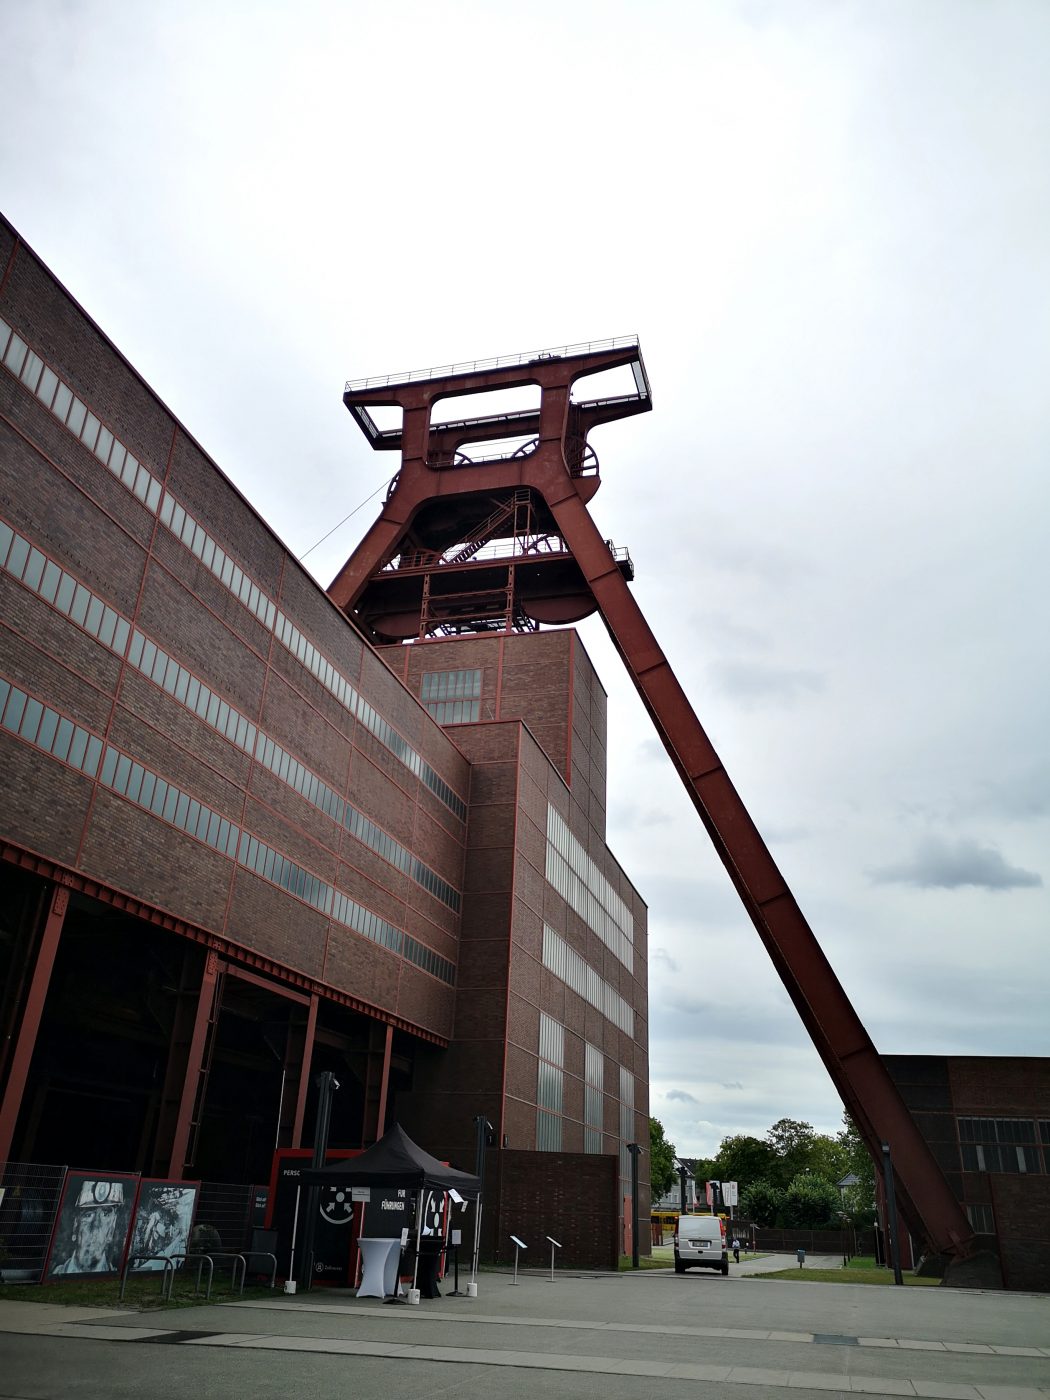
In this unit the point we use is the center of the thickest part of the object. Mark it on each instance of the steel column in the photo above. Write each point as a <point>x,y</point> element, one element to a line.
<point>309,1034</point>
<point>25,1042</point>
<point>194,1065</point>
<point>384,1083</point>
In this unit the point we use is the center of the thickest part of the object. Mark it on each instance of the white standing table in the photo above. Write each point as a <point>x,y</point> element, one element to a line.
<point>379,1261</point>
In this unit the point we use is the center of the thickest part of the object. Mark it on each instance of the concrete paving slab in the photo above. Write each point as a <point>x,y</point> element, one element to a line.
<point>818,1380</point>
<point>25,1317</point>
<point>879,1385</point>
<point>938,1390</point>
<point>685,1370</point>
<point>101,1331</point>
<point>757,1375</point>
<point>224,1339</point>
<point>1010,1392</point>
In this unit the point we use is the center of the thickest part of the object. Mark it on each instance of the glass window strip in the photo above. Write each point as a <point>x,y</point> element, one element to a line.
<point>565,860</point>
<point>548,1131</point>
<point>148,489</point>
<point>566,964</point>
<point>44,577</point>
<point>42,727</point>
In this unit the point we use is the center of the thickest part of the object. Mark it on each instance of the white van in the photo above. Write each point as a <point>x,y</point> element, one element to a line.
<point>700,1243</point>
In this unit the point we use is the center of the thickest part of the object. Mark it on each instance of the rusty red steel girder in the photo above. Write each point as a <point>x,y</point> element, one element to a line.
<point>848,1053</point>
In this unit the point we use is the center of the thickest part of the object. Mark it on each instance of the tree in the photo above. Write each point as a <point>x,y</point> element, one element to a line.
<point>761,1202</point>
<point>828,1157</point>
<point>810,1203</point>
<point>745,1160</point>
<point>662,1172</point>
<point>858,1200</point>
<point>792,1142</point>
<point>700,1168</point>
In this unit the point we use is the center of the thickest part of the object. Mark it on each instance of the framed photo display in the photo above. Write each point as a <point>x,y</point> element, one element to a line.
<point>163,1220</point>
<point>94,1220</point>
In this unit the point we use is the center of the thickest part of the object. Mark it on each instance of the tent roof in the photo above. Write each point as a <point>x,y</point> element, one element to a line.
<point>395,1160</point>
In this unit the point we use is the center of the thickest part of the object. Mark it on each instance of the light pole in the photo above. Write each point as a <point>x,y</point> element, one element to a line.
<point>634,1148</point>
<point>482,1128</point>
<point>327,1084</point>
<point>891,1213</point>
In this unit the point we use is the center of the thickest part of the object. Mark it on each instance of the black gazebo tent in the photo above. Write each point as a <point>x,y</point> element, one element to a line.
<point>396,1161</point>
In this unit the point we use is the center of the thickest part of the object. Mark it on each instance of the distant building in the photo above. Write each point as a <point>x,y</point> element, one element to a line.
<point>987,1121</point>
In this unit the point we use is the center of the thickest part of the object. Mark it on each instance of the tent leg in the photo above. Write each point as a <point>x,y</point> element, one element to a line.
<point>472,1286</point>
<point>289,1283</point>
<point>413,1296</point>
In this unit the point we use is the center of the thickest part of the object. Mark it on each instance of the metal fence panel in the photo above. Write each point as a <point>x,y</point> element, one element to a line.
<point>226,1209</point>
<point>29,1197</point>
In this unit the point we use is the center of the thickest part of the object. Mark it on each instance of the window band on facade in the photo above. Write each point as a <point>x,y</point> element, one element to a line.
<point>982,1218</point>
<point>585,889</point>
<point>550,1084</point>
<point>71,598</point>
<point>567,965</point>
<point>74,415</point>
<point>452,697</point>
<point>56,735</point>
<point>593,1097</point>
<point>1003,1145</point>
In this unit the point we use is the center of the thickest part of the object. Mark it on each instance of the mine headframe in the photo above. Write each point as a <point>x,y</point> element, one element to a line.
<point>486,527</point>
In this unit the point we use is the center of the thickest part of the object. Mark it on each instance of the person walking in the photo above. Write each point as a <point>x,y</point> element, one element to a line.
<point>736,1249</point>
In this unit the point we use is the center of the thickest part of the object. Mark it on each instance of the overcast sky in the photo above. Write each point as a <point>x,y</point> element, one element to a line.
<point>828,223</point>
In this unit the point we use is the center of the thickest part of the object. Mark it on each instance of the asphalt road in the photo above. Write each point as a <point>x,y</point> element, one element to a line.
<point>604,1336</point>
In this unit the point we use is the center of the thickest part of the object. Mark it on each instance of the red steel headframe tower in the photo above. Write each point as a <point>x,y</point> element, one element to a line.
<point>486,527</point>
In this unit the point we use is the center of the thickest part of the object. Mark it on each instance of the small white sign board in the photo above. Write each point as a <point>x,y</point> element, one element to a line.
<point>520,1243</point>
<point>360,1193</point>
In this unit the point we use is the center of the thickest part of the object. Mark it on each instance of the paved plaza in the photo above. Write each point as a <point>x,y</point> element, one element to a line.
<point>607,1336</point>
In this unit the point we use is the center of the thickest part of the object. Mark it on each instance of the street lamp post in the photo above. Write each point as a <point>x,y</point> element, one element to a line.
<point>891,1213</point>
<point>634,1149</point>
<point>327,1084</point>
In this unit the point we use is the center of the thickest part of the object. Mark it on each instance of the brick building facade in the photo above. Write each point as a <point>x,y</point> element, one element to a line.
<point>240,845</point>
<point>987,1121</point>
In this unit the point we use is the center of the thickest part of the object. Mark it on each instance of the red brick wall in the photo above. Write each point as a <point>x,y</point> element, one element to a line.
<point>573,1197</point>
<point>58,494</point>
<point>1022,1219</point>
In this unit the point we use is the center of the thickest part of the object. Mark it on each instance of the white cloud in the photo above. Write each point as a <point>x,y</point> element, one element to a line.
<point>953,865</point>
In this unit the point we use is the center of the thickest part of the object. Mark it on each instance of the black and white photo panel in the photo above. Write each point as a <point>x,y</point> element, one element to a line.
<point>91,1231</point>
<point>163,1221</point>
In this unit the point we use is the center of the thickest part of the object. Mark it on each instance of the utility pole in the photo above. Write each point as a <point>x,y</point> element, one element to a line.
<point>327,1084</point>
<point>634,1149</point>
<point>891,1212</point>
